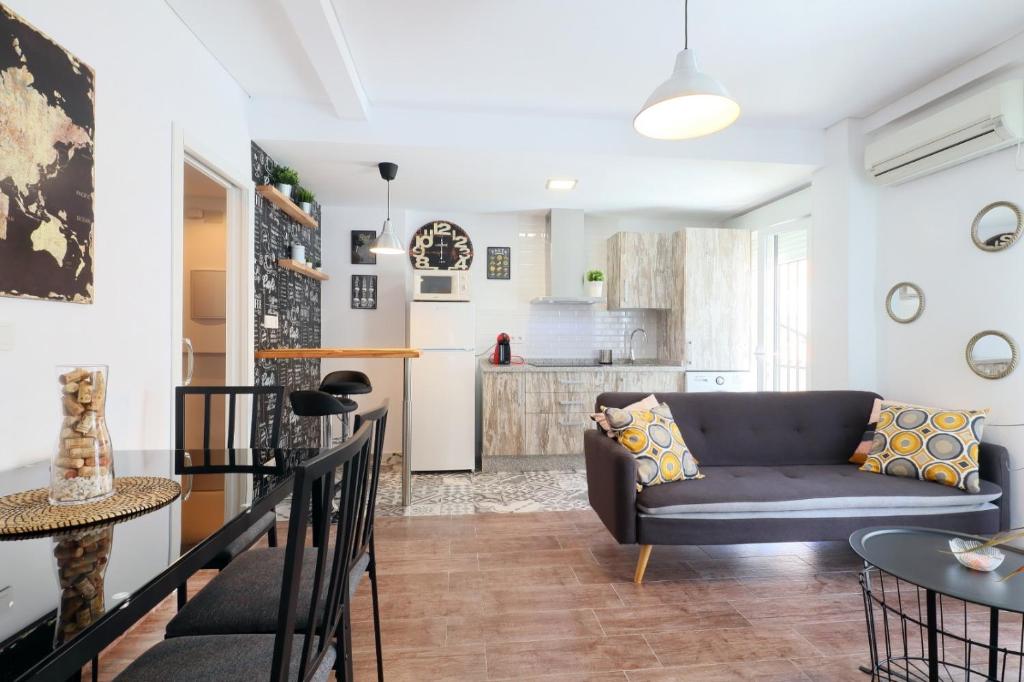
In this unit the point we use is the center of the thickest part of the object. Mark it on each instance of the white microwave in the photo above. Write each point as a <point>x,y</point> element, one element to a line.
<point>440,285</point>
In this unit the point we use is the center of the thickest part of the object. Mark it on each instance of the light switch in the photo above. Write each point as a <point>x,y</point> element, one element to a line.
<point>270,321</point>
<point>6,336</point>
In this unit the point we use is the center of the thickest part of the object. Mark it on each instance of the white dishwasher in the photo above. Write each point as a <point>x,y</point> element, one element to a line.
<point>705,382</point>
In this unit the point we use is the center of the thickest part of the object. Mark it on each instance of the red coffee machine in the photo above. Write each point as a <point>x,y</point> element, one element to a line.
<point>502,351</point>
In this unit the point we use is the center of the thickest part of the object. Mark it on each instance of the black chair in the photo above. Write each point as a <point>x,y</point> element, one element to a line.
<point>273,404</point>
<point>322,405</point>
<point>342,384</point>
<point>307,602</point>
<point>241,598</point>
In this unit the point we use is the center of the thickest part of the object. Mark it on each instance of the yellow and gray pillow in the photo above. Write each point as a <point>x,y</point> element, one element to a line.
<point>929,444</point>
<point>654,440</point>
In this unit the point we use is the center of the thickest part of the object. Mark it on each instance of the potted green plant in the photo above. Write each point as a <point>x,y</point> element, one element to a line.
<point>304,198</point>
<point>595,283</point>
<point>284,178</point>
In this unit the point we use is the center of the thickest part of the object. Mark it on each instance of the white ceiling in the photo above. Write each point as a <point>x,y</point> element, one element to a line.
<point>806,63</point>
<point>480,101</point>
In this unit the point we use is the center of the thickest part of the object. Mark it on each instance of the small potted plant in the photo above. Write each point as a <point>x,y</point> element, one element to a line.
<point>305,199</point>
<point>284,178</point>
<point>595,283</point>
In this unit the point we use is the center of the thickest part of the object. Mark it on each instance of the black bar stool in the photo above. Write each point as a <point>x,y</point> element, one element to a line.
<point>323,405</point>
<point>341,385</point>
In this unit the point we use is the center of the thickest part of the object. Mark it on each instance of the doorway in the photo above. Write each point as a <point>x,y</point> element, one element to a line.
<point>782,314</point>
<point>204,297</point>
<point>204,312</point>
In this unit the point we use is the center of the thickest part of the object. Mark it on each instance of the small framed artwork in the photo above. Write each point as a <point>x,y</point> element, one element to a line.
<point>209,294</point>
<point>499,262</point>
<point>361,254</point>
<point>364,292</point>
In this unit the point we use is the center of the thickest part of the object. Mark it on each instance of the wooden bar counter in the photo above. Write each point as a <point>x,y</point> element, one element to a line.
<point>404,354</point>
<point>313,353</point>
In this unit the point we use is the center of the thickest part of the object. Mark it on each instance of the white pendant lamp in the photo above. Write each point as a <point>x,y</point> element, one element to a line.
<point>689,104</point>
<point>387,242</point>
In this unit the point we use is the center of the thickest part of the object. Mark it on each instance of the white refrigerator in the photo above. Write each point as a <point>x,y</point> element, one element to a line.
<point>442,424</point>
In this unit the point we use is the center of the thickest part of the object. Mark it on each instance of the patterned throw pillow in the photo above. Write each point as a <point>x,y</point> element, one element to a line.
<point>929,444</point>
<point>860,455</point>
<point>648,403</point>
<point>655,441</point>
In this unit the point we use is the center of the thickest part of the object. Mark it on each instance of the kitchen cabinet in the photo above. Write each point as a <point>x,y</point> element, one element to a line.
<point>546,412</point>
<point>709,325</point>
<point>639,270</point>
<point>502,421</point>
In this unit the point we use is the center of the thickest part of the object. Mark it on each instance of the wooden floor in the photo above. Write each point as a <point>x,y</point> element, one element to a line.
<point>548,595</point>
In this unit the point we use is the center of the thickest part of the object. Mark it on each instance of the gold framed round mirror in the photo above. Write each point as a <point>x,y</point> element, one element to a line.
<point>905,302</point>
<point>998,226</point>
<point>992,354</point>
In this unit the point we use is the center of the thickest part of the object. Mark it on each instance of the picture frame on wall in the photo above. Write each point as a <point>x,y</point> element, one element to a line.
<point>364,292</point>
<point>499,262</point>
<point>361,254</point>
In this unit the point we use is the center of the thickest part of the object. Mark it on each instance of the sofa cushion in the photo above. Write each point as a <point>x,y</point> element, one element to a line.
<point>767,428</point>
<point>803,488</point>
<point>653,439</point>
<point>927,443</point>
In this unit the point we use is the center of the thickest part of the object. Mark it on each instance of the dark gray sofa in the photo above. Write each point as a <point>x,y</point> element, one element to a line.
<point>777,470</point>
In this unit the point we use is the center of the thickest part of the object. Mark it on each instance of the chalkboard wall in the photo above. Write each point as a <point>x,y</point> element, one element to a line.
<point>295,300</point>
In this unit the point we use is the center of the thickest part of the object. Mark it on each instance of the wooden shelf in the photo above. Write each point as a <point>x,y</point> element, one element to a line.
<point>302,269</point>
<point>270,193</point>
<point>310,353</point>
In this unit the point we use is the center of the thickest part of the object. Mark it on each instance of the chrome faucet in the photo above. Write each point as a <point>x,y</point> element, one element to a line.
<point>632,335</point>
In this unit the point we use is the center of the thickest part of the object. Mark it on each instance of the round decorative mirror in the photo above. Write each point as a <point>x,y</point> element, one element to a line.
<point>997,226</point>
<point>992,354</point>
<point>905,302</point>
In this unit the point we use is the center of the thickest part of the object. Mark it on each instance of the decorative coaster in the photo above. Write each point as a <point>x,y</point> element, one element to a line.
<point>30,512</point>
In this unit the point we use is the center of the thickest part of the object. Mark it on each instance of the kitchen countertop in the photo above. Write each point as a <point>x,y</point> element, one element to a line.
<point>638,366</point>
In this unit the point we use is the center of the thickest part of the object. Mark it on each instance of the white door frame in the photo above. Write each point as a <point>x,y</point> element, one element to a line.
<point>240,289</point>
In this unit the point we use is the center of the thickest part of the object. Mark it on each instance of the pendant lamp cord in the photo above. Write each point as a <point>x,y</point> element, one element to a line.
<point>686,24</point>
<point>389,200</point>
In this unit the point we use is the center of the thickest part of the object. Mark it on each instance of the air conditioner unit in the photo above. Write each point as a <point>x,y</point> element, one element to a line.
<point>982,123</point>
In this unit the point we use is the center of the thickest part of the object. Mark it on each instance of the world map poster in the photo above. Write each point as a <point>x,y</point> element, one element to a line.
<point>47,132</point>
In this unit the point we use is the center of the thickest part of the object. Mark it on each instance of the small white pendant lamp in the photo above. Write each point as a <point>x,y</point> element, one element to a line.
<point>387,242</point>
<point>690,103</point>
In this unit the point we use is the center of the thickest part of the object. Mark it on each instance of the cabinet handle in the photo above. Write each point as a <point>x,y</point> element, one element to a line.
<point>570,402</point>
<point>574,422</point>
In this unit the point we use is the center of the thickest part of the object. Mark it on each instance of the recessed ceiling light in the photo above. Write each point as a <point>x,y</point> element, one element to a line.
<point>561,184</point>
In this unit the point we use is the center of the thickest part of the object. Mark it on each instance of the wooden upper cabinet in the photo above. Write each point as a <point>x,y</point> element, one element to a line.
<point>712,330</point>
<point>639,269</point>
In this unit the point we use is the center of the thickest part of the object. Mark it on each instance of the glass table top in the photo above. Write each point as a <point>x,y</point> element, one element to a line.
<point>922,556</point>
<point>43,599</point>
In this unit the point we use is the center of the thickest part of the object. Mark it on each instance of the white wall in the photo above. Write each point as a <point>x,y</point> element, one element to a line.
<point>150,71</point>
<point>841,276</point>
<point>925,229</point>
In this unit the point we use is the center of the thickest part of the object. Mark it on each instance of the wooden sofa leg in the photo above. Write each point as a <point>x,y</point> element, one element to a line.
<point>641,563</point>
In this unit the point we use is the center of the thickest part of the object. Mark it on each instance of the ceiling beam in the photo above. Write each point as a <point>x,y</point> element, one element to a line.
<point>316,24</point>
<point>289,120</point>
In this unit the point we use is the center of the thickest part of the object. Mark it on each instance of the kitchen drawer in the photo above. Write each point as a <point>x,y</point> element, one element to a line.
<point>556,434</point>
<point>565,382</point>
<point>647,382</point>
<point>560,403</point>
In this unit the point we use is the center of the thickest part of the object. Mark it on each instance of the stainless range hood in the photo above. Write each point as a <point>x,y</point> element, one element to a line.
<point>567,259</point>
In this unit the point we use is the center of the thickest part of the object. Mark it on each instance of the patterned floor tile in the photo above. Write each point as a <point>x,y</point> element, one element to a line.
<point>483,492</point>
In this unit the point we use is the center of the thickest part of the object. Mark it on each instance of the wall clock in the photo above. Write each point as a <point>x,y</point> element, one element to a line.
<point>440,245</point>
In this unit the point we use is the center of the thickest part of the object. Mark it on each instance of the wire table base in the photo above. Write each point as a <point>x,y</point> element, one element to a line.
<point>916,634</point>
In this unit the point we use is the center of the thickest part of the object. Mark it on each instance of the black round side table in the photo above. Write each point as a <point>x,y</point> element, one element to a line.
<point>930,618</point>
